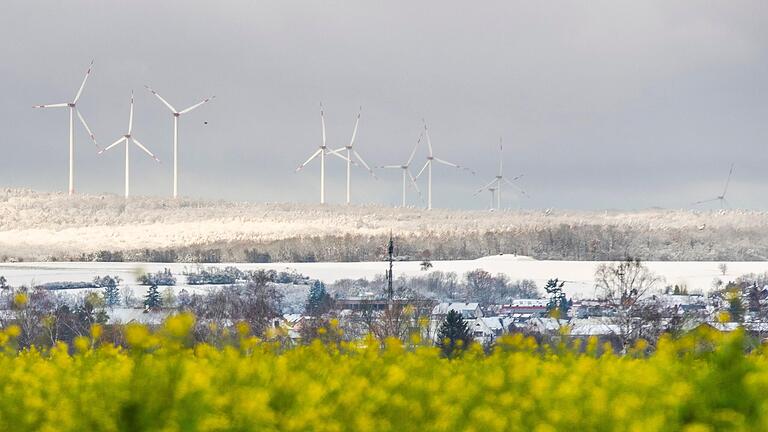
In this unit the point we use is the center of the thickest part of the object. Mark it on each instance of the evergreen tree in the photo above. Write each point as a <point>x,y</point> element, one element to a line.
<point>454,335</point>
<point>153,300</point>
<point>318,300</point>
<point>111,291</point>
<point>736,307</point>
<point>558,305</point>
<point>754,298</point>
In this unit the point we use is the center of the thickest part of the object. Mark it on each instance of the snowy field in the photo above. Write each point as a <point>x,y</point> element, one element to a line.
<point>697,276</point>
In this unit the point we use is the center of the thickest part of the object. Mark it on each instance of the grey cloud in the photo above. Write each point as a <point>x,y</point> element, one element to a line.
<point>604,104</point>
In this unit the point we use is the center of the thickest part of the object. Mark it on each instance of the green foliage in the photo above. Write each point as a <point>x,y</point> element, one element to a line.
<point>736,307</point>
<point>111,292</point>
<point>558,305</point>
<point>153,299</point>
<point>318,300</point>
<point>454,335</point>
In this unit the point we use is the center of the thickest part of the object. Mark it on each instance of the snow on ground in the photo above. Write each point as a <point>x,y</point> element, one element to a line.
<point>39,225</point>
<point>579,275</point>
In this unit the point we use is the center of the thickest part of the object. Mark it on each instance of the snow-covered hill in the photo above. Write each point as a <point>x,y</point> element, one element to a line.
<point>45,226</point>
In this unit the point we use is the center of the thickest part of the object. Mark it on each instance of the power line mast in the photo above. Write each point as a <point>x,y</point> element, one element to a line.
<point>391,259</point>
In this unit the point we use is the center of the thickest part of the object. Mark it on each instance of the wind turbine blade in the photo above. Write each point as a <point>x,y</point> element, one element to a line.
<point>727,182</point>
<point>82,120</point>
<point>360,158</point>
<point>485,187</point>
<point>112,145</point>
<point>170,107</point>
<point>518,177</point>
<point>314,155</point>
<point>130,116</point>
<point>354,131</point>
<point>429,141</point>
<point>322,121</point>
<point>451,164</point>
<point>706,201</point>
<point>423,168</point>
<point>447,163</point>
<point>414,184</point>
<point>390,166</point>
<point>519,189</point>
<point>206,100</point>
<point>82,86</point>
<point>413,152</point>
<point>501,157</point>
<point>338,154</point>
<point>58,105</point>
<point>141,146</point>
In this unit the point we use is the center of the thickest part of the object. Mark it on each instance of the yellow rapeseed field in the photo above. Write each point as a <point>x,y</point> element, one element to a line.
<point>702,382</point>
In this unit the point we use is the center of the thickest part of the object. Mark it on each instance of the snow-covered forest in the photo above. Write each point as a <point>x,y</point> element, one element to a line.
<point>44,226</point>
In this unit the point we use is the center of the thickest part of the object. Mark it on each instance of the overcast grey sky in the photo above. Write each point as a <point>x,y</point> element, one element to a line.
<point>602,104</point>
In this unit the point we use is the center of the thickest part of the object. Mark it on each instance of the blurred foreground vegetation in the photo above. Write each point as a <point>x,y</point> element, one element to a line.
<point>161,381</point>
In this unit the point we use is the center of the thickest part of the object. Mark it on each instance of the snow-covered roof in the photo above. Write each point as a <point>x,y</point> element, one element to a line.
<point>493,323</point>
<point>292,319</point>
<point>444,308</point>
<point>591,327</point>
<point>547,324</point>
<point>529,303</point>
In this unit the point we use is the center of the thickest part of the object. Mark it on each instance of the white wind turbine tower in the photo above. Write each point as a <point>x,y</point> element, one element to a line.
<point>721,197</point>
<point>321,151</point>
<point>351,151</point>
<point>492,190</point>
<point>495,185</point>
<point>428,166</point>
<point>128,139</point>
<point>72,111</point>
<point>407,172</point>
<point>176,115</point>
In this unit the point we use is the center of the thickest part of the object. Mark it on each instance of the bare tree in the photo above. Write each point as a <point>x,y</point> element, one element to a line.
<point>480,286</point>
<point>622,285</point>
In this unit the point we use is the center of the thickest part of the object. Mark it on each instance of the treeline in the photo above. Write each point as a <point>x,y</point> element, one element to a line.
<point>564,242</point>
<point>473,286</point>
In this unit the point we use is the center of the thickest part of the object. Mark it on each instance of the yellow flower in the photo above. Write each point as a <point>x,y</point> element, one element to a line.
<point>96,331</point>
<point>20,300</point>
<point>179,325</point>
<point>136,335</point>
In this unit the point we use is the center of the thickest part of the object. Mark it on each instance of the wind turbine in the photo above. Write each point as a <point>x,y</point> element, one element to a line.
<point>176,115</point>
<point>495,184</point>
<point>492,190</point>
<point>721,197</point>
<point>72,111</point>
<point>428,166</point>
<point>321,151</point>
<point>128,139</point>
<point>351,151</point>
<point>407,172</point>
